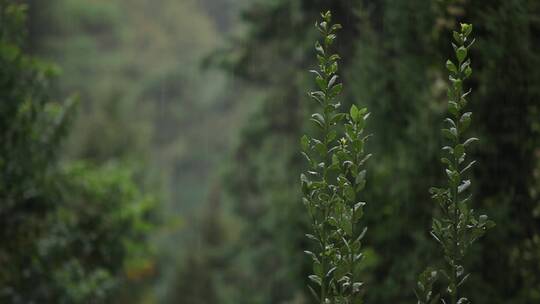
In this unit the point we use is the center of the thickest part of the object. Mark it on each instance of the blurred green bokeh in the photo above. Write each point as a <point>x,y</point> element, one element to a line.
<point>170,173</point>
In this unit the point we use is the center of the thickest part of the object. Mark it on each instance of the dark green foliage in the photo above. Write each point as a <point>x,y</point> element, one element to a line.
<point>392,53</point>
<point>69,231</point>
<point>30,128</point>
<point>134,63</point>
<point>508,57</point>
<point>333,182</point>
<point>394,60</point>
<point>96,237</point>
<point>145,102</point>
<point>457,227</point>
<point>394,72</point>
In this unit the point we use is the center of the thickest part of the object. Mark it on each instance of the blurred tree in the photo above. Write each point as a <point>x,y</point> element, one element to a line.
<point>396,48</point>
<point>396,59</point>
<point>140,57</point>
<point>396,73</point>
<point>68,232</point>
<point>145,100</point>
<point>507,104</point>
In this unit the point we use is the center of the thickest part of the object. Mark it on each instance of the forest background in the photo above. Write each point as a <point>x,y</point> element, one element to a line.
<point>188,114</point>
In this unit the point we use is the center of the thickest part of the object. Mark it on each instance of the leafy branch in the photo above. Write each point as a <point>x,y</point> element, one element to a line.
<point>334,179</point>
<point>457,228</point>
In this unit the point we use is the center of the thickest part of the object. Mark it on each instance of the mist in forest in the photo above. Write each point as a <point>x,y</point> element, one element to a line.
<point>151,148</point>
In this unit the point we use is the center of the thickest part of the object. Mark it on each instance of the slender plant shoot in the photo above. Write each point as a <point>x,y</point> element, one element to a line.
<point>332,184</point>
<point>457,227</point>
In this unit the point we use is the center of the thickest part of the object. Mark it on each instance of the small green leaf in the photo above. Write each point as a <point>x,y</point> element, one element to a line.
<point>321,148</point>
<point>465,120</point>
<point>319,48</point>
<point>320,82</point>
<point>333,68</point>
<point>315,279</point>
<point>334,57</point>
<point>331,135</point>
<point>359,211</point>
<point>466,29</point>
<point>451,122</point>
<point>312,255</point>
<point>332,81</point>
<point>321,59</point>
<point>457,83</point>
<point>449,134</point>
<point>336,90</point>
<point>318,118</point>
<point>318,96</point>
<point>304,142</point>
<point>457,37</point>
<point>349,193</point>
<point>451,66</point>
<point>336,27</point>
<point>459,149</point>
<point>467,167</point>
<point>470,141</point>
<point>453,176</point>
<point>468,72</point>
<point>355,114</point>
<point>447,162</point>
<point>464,186</point>
<point>315,72</point>
<point>453,108</point>
<point>461,54</point>
<point>312,237</point>
<point>328,40</point>
<point>305,183</point>
<point>337,118</point>
<point>463,301</point>
<point>357,287</point>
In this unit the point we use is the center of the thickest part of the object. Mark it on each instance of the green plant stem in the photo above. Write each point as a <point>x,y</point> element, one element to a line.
<point>331,185</point>
<point>455,199</point>
<point>455,236</point>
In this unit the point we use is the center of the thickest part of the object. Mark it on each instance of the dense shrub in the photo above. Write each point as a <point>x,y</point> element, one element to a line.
<point>71,233</point>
